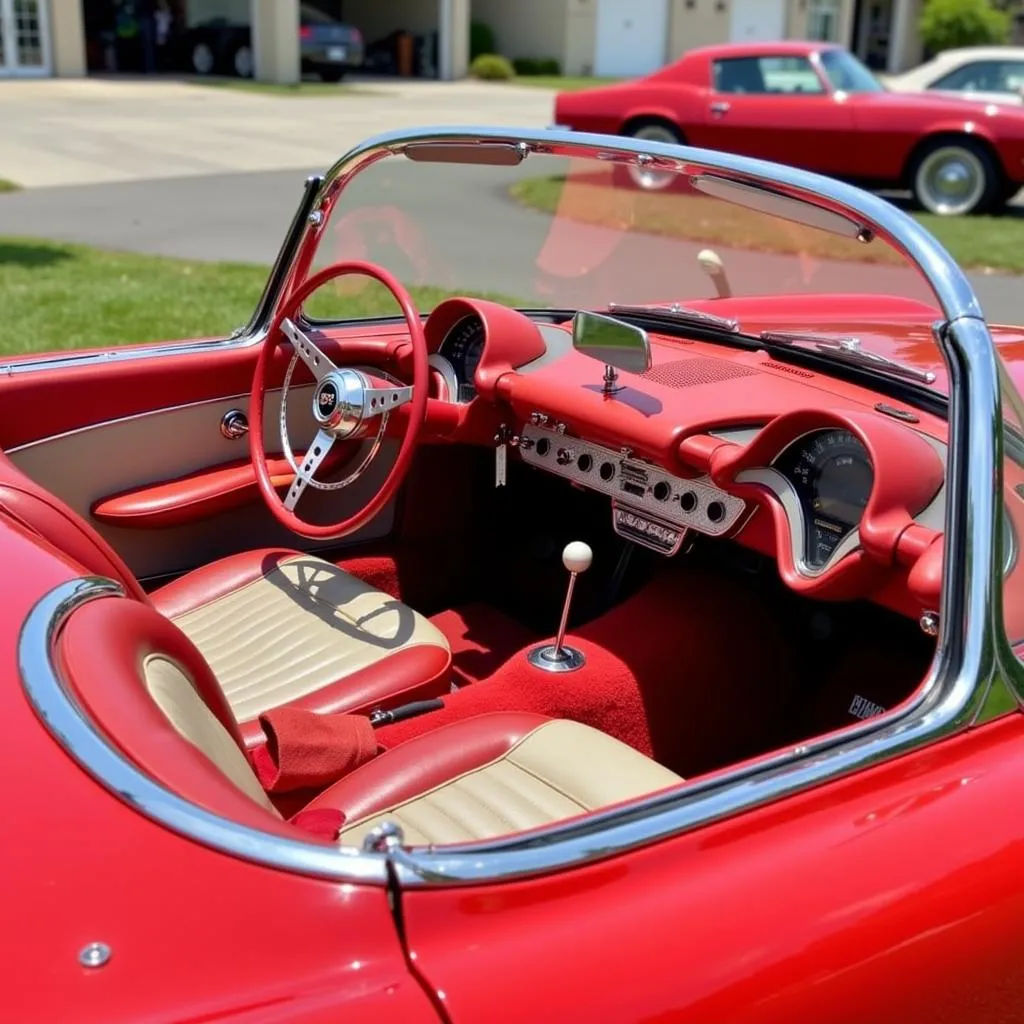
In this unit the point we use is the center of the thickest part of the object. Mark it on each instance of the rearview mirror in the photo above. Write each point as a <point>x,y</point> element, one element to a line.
<point>612,342</point>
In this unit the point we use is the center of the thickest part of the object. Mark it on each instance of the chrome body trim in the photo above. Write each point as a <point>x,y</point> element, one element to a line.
<point>971,647</point>
<point>71,728</point>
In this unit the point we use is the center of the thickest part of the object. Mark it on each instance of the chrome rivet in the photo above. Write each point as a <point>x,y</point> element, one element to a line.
<point>929,623</point>
<point>316,218</point>
<point>96,954</point>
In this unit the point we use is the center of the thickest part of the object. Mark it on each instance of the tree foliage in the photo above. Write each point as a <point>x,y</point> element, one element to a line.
<point>947,24</point>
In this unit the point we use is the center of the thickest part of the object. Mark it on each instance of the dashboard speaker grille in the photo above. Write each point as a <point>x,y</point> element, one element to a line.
<point>686,373</point>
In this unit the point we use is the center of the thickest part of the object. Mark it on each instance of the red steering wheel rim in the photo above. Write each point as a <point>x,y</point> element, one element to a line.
<point>417,405</point>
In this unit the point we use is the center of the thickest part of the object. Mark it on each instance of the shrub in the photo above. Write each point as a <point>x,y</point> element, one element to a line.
<point>492,68</point>
<point>947,24</point>
<point>537,66</point>
<point>481,40</point>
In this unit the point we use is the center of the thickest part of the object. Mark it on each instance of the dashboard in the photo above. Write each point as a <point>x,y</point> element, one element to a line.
<point>845,492</point>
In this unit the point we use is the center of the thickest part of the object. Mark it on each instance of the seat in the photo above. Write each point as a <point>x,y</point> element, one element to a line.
<point>282,627</point>
<point>145,685</point>
<point>276,626</point>
<point>488,776</point>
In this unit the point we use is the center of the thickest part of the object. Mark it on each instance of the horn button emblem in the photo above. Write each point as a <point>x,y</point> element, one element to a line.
<point>338,401</point>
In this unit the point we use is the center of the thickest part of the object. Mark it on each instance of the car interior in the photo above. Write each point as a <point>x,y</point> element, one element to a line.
<point>740,552</point>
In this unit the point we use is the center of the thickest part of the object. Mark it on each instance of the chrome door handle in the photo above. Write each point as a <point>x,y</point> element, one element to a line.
<point>720,108</point>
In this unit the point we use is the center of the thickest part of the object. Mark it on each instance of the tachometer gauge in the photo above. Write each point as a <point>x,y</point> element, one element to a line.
<point>463,346</point>
<point>831,472</point>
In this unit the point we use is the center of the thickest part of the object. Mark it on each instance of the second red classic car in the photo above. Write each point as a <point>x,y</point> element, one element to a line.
<point>815,106</point>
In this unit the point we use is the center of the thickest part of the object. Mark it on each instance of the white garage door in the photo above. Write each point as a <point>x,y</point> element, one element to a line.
<point>757,21</point>
<point>631,37</point>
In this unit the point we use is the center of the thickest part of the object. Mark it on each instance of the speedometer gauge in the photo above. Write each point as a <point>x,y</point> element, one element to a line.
<point>831,472</point>
<point>463,346</point>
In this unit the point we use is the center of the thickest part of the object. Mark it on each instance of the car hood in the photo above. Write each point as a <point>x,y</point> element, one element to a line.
<point>934,103</point>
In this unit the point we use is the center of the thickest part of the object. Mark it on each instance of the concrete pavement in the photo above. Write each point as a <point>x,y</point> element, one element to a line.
<point>89,131</point>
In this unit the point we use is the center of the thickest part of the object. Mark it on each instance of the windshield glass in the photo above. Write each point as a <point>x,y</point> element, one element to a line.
<point>847,74</point>
<point>586,233</point>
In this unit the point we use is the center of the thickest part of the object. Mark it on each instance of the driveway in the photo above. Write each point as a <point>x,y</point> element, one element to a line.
<point>91,131</point>
<point>204,173</point>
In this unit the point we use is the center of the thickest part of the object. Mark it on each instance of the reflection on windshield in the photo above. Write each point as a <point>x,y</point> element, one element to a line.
<point>847,74</point>
<point>580,233</point>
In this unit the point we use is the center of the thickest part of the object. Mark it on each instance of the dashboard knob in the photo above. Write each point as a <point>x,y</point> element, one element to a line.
<point>538,419</point>
<point>564,456</point>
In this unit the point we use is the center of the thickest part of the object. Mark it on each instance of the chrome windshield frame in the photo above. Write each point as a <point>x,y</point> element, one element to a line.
<point>970,665</point>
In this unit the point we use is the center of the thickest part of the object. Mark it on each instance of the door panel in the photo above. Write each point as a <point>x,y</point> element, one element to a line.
<point>87,465</point>
<point>88,429</point>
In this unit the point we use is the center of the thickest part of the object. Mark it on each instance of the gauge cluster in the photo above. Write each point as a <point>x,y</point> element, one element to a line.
<point>463,347</point>
<point>832,475</point>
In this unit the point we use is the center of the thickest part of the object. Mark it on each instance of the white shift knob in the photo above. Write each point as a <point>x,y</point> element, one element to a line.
<point>577,556</point>
<point>710,261</point>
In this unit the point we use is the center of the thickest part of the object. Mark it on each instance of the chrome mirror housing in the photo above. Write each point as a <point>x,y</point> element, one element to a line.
<point>620,346</point>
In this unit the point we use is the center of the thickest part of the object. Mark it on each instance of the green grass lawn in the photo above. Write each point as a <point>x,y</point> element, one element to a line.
<point>313,88</point>
<point>8,186</point>
<point>989,242</point>
<point>563,83</point>
<point>59,296</point>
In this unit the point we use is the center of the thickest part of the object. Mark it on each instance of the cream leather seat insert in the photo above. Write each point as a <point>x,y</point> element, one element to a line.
<point>301,626</point>
<point>177,698</point>
<point>559,770</point>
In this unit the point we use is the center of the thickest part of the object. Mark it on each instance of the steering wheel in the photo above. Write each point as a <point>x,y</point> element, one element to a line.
<point>344,401</point>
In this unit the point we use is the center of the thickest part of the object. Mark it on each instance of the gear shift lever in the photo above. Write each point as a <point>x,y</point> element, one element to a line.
<point>556,657</point>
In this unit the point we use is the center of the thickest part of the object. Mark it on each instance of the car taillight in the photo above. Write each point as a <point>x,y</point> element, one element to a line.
<point>305,32</point>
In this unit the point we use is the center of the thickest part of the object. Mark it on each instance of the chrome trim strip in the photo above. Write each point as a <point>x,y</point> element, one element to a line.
<point>70,727</point>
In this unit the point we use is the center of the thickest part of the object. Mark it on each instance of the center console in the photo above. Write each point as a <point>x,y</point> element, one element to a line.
<point>649,506</point>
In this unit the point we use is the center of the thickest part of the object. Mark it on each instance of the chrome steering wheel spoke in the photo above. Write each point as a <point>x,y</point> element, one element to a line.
<point>378,401</point>
<point>318,364</point>
<point>315,455</point>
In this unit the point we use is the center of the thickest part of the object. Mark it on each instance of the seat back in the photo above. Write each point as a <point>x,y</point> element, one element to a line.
<point>45,515</point>
<point>147,687</point>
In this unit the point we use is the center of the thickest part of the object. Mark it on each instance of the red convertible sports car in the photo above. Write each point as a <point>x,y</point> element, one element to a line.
<point>816,106</point>
<point>620,626</point>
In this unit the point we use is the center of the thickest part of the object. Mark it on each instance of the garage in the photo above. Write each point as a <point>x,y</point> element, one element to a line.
<point>265,38</point>
<point>631,37</point>
<point>755,21</point>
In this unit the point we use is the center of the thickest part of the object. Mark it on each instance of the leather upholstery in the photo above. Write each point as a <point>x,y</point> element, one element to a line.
<point>280,627</point>
<point>491,775</point>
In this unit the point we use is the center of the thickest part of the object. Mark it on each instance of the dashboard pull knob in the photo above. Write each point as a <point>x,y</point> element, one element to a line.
<point>564,456</point>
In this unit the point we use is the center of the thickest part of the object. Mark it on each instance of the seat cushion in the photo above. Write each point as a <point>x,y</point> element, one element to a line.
<point>491,775</point>
<point>281,627</point>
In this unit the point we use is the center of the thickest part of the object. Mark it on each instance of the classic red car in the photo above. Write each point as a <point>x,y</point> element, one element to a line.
<point>814,105</point>
<point>612,628</point>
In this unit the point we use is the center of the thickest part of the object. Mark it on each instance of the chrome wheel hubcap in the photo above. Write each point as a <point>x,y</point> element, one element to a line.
<point>653,180</point>
<point>950,180</point>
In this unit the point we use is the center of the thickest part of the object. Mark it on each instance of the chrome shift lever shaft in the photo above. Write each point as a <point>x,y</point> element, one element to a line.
<point>556,657</point>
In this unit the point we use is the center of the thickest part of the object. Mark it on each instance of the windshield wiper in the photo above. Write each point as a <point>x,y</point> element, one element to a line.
<point>849,350</point>
<point>677,314</point>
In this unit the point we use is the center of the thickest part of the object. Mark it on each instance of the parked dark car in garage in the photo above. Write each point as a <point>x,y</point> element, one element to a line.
<point>328,47</point>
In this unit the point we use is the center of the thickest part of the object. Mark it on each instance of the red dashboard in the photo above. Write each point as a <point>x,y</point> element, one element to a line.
<point>843,490</point>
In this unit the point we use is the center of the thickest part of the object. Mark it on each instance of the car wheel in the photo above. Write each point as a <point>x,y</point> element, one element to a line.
<point>952,178</point>
<point>203,60</point>
<point>242,62</point>
<point>653,131</point>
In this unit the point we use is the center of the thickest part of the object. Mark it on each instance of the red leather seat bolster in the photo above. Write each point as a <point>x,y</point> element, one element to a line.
<point>420,764</point>
<point>218,579</point>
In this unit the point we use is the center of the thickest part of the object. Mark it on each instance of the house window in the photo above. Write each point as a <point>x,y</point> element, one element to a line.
<point>823,20</point>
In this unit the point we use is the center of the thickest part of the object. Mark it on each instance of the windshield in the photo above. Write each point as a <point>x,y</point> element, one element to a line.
<point>586,233</point>
<point>847,74</point>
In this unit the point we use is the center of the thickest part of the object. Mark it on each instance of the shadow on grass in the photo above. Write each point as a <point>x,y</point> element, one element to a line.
<point>24,254</point>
